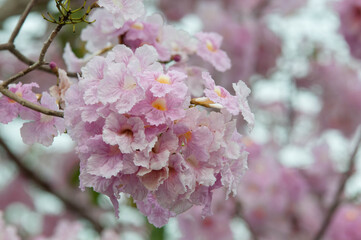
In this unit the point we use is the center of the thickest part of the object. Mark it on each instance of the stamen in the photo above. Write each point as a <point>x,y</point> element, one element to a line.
<point>138,26</point>
<point>160,104</point>
<point>163,79</point>
<point>210,46</point>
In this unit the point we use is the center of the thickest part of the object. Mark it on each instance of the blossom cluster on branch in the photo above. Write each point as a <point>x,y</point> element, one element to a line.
<point>155,116</point>
<point>139,128</point>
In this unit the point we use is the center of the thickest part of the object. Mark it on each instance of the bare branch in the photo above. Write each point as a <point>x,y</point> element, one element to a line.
<point>21,21</point>
<point>337,200</point>
<point>40,62</point>
<point>28,104</point>
<point>20,74</point>
<point>4,46</point>
<point>24,59</point>
<point>70,205</point>
<point>48,42</point>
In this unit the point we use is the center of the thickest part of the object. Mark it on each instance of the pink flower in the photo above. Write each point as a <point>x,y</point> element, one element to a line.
<point>158,157</point>
<point>43,128</point>
<point>157,215</point>
<point>160,110</point>
<point>151,179</point>
<point>102,32</point>
<point>58,91</point>
<point>127,133</point>
<point>242,92</point>
<point>172,194</point>
<point>9,109</point>
<point>107,160</point>
<point>178,42</point>
<point>161,83</point>
<point>92,74</point>
<point>220,95</point>
<point>120,87</point>
<point>123,10</point>
<point>345,224</point>
<point>209,50</point>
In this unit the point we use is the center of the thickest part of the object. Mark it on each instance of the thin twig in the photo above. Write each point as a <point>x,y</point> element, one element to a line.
<point>28,61</point>
<point>20,74</point>
<point>48,42</point>
<point>70,205</point>
<point>30,105</point>
<point>337,200</point>
<point>21,21</point>
<point>40,62</point>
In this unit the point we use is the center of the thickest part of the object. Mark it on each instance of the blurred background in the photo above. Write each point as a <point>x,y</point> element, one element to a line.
<point>300,58</point>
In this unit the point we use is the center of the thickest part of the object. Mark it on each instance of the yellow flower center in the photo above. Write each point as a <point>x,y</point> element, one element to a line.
<point>160,104</point>
<point>163,79</point>
<point>188,135</point>
<point>218,91</point>
<point>138,26</point>
<point>210,46</point>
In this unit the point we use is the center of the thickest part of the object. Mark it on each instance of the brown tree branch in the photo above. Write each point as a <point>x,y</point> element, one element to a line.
<point>11,48</point>
<point>21,21</point>
<point>4,46</point>
<point>28,104</point>
<point>48,42</point>
<point>70,205</point>
<point>338,197</point>
<point>40,61</point>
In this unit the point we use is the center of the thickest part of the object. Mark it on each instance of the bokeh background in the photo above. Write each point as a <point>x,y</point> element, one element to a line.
<point>301,60</point>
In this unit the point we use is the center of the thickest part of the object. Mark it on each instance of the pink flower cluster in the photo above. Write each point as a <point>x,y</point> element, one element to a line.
<point>137,133</point>
<point>41,128</point>
<point>113,27</point>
